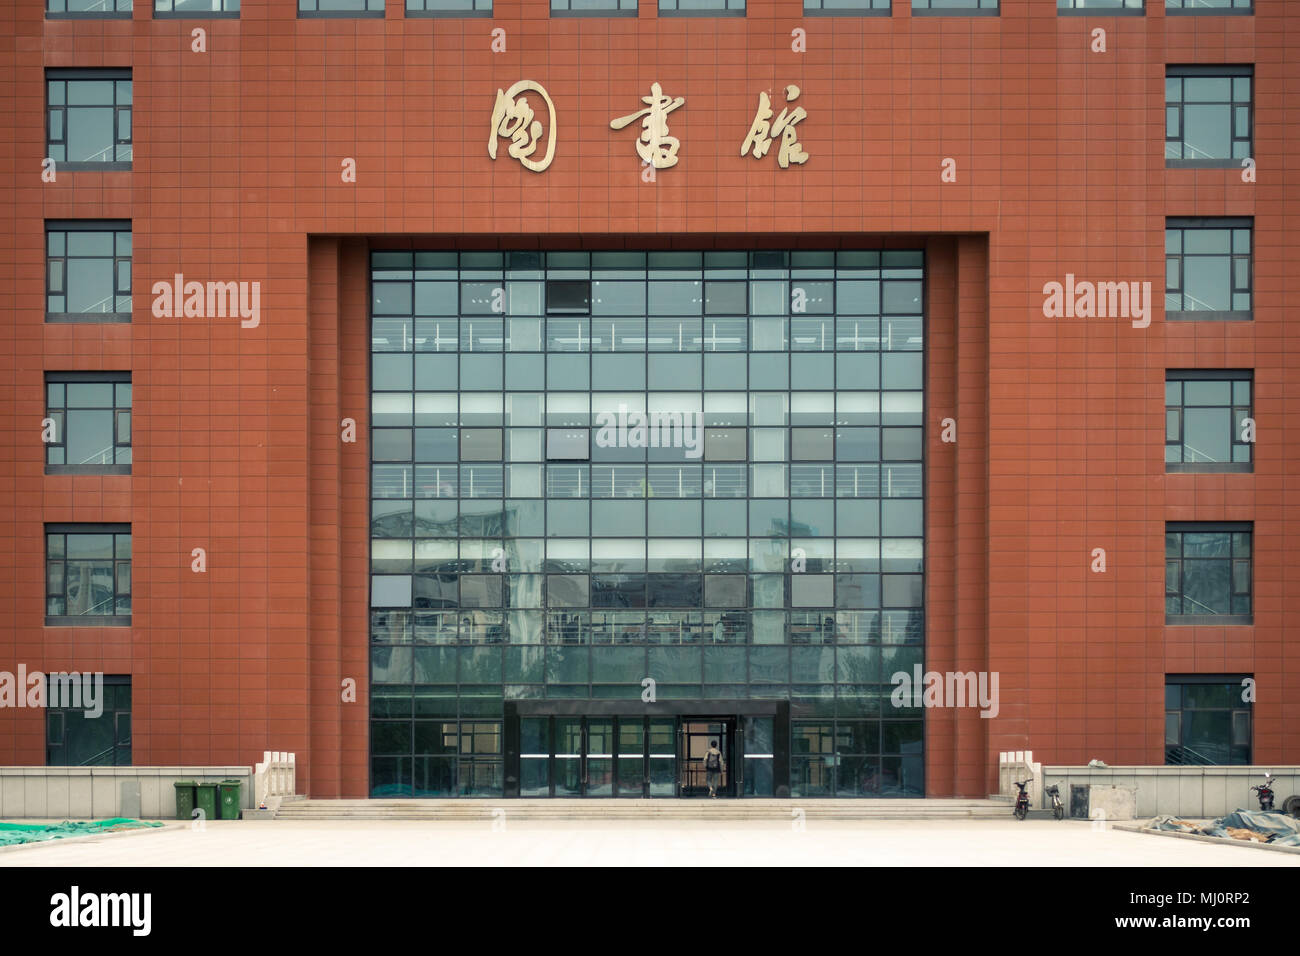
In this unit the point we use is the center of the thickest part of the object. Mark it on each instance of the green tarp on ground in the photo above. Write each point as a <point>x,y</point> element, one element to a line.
<point>12,833</point>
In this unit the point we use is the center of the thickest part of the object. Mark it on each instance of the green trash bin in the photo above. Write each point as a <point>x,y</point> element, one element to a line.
<point>207,800</point>
<point>229,793</point>
<point>184,799</point>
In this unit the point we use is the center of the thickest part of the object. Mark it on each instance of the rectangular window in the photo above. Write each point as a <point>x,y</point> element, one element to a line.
<point>1208,573</point>
<point>593,8</point>
<point>853,8</point>
<point>89,423</point>
<point>88,9</point>
<point>962,8</point>
<point>449,8</point>
<point>341,8</point>
<point>1208,116</point>
<point>701,8</point>
<point>87,271</point>
<point>1207,723</point>
<point>568,444</point>
<point>1211,7</point>
<point>88,575</point>
<point>1209,269</point>
<point>206,9</point>
<point>1085,7</point>
<point>88,118</point>
<point>88,720</point>
<point>1208,421</point>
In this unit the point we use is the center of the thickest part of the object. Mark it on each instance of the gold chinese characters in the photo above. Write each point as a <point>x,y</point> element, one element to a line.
<point>654,145</point>
<point>513,117</point>
<point>764,131</point>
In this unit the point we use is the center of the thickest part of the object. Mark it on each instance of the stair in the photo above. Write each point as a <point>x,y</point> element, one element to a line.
<point>608,809</point>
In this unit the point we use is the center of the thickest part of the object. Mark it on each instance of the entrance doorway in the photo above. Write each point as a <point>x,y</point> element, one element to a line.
<point>609,749</point>
<point>695,735</point>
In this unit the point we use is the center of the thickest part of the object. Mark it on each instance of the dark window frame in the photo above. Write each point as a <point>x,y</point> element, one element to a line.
<point>114,226</point>
<point>1205,527</point>
<point>1184,225</point>
<point>1228,71</point>
<point>72,378</point>
<point>121,753</point>
<point>63,75</point>
<point>668,12</point>
<point>424,12</point>
<point>1211,375</point>
<point>1062,10</point>
<point>614,11</point>
<point>366,14</point>
<point>114,14</point>
<point>1184,11</point>
<point>859,11</point>
<point>1236,681</point>
<point>88,620</point>
<point>981,11</point>
<point>173,14</point>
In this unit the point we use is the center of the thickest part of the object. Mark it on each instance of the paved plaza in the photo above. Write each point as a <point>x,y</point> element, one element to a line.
<point>641,843</point>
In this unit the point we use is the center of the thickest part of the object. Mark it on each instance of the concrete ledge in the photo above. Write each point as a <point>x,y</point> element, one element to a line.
<point>258,815</point>
<point>1202,838</point>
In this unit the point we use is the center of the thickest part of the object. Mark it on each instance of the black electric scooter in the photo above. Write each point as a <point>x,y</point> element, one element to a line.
<point>1265,792</point>
<point>1022,801</point>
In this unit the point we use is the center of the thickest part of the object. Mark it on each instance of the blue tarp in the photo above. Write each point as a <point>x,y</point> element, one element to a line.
<point>1279,829</point>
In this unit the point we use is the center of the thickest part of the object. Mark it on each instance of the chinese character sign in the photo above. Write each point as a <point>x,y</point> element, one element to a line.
<point>512,117</point>
<point>764,131</point>
<point>655,147</point>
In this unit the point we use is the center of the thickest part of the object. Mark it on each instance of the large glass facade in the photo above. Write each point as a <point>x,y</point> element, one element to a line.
<point>594,469</point>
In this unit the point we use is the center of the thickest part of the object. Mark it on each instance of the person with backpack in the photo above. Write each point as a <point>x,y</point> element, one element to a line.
<point>713,767</point>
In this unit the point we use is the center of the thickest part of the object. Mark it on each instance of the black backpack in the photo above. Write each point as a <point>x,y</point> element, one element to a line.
<point>712,761</point>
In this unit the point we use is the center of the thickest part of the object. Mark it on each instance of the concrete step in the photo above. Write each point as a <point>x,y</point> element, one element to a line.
<point>476,809</point>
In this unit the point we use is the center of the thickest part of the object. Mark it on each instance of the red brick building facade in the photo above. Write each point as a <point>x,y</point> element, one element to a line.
<point>1057,167</point>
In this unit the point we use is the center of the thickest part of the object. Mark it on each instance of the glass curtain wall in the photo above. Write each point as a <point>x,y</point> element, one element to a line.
<point>593,468</point>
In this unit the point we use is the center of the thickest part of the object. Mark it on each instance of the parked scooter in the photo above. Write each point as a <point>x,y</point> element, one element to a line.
<point>1265,792</point>
<point>1058,808</point>
<point>1022,800</point>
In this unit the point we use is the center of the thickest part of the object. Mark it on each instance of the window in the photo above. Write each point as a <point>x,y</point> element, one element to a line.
<point>88,720</point>
<point>87,271</point>
<point>1213,7</point>
<point>1208,118</point>
<point>724,444</point>
<point>88,121</point>
<point>99,9</point>
<point>593,8</point>
<point>207,9</point>
<point>568,297</point>
<point>1207,723</point>
<point>701,8</point>
<point>924,8</point>
<point>812,444</point>
<point>449,8</point>
<point>480,444</point>
<point>568,444</point>
<point>341,8</point>
<point>1206,417</point>
<point>1207,573</point>
<point>90,414</point>
<point>1209,266</point>
<point>1133,7</point>
<point>88,575</point>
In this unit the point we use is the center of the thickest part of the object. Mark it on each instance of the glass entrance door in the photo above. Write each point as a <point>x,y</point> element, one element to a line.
<point>694,739</point>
